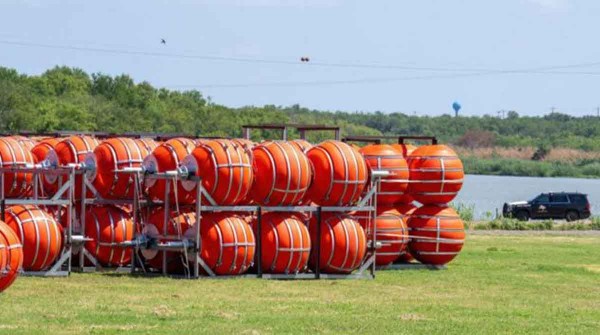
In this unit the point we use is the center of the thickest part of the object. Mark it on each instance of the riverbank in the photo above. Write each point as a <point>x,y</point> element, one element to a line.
<point>528,168</point>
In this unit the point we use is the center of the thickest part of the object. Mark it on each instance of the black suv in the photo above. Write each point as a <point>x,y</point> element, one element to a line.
<point>563,205</point>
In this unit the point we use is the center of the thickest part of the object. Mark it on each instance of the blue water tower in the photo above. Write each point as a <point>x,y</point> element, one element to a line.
<point>456,106</point>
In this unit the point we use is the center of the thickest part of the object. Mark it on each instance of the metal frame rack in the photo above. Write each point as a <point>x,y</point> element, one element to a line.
<point>400,140</point>
<point>284,128</point>
<point>192,245</point>
<point>63,197</point>
<point>83,253</point>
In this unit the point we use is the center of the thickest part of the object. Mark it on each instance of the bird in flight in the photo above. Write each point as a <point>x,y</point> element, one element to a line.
<point>163,41</point>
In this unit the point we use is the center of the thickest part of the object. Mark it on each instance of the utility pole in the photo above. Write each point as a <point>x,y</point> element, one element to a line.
<point>552,109</point>
<point>598,111</point>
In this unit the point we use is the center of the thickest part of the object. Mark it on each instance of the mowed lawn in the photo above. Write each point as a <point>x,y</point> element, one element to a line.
<point>499,284</point>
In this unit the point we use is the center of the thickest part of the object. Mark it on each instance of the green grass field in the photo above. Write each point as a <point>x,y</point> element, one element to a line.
<point>499,284</point>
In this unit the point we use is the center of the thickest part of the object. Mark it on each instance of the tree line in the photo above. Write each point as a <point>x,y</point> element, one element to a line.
<point>66,98</point>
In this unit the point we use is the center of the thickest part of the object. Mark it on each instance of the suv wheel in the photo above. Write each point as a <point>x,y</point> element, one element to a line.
<point>572,216</point>
<point>522,216</point>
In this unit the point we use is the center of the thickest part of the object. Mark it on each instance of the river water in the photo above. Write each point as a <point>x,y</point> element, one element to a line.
<point>489,193</point>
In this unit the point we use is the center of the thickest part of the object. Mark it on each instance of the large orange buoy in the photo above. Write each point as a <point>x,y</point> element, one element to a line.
<point>107,226</point>
<point>27,142</point>
<point>166,157</point>
<point>405,148</point>
<point>437,234</point>
<point>340,174</point>
<point>109,158</point>
<point>244,143</point>
<point>11,256</point>
<point>394,187</point>
<point>71,150</point>
<point>41,149</point>
<point>303,145</point>
<point>13,154</point>
<point>227,243</point>
<point>436,174</point>
<point>285,243</point>
<point>282,174</point>
<point>225,169</point>
<point>147,143</point>
<point>40,234</point>
<point>176,229</point>
<point>392,234</point>
<point>343,243</point>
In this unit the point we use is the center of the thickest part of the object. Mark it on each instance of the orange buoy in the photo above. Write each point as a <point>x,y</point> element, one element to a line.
<point>41,149</point>
<point>166,157</point>
<point>71,150</point>
<point>436,174</point>
<point>339,174</point>
<point>437,234</point>
<point>225,169</point>
<point>147,143</point>
<point>282,174</point>
<point>227,243</point>
<point>394,187</point>
<point>392,234</point>
<point>107,226</point>
<point>285,243</point>
<point>244,143</point>
<point>13,154</point>
<point>176,228</point>
<point>27,142</point>
<point>40,234</point>
<point>303,145</point>
<point>109,158</point>
<point>11,256</point>
<point>405,148</point>
<point>343,243</point>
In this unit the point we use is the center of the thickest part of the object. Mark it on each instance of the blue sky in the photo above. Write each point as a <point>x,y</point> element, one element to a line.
<point>405,56</point>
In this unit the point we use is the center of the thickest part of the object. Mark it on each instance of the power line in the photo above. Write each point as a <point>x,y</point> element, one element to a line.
<point>370,80</point>
<point>295,63</point>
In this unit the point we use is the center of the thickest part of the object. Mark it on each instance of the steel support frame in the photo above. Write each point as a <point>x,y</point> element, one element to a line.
<point>63,197</point>
<point>367,203</point>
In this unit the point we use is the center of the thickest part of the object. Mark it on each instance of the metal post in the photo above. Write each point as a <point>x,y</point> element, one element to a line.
<point>318,260</point>
<point>197,245</point>
<point>166,215</point>
<point>284,133</point>
<point>258,253</point>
